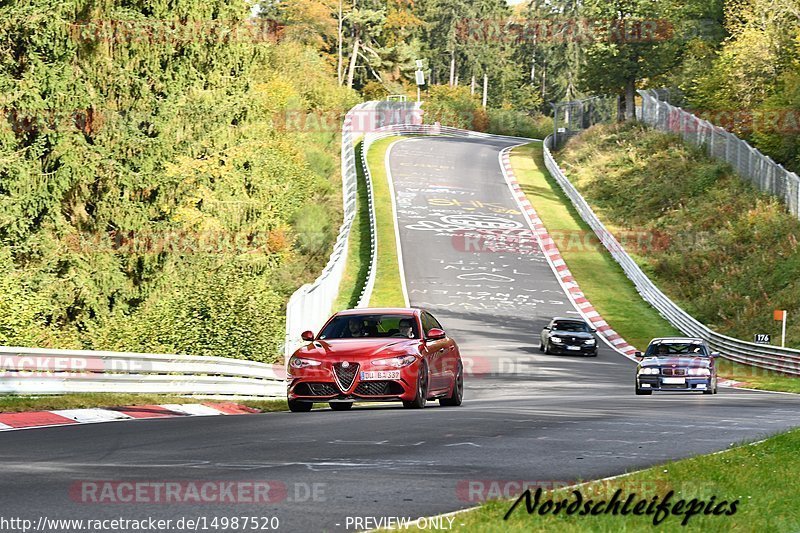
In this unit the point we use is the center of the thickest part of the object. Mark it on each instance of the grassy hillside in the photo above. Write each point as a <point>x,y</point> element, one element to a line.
<point>160,188</point>
<point>725,252</point>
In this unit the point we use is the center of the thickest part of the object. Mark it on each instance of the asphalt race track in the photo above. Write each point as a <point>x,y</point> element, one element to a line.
<point>526,416</point>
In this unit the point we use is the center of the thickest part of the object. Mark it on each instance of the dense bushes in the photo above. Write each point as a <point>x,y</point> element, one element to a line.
<point>727,253</point>
<point>155,166</point>
<point>456,107</point>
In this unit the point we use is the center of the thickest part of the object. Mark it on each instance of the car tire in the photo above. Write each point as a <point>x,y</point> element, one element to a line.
<point>711,391</point>
<point>593,354</point>
<point>541,346</point>
<point>454,400</point>
<point>421,397</point>
<point>299,407</point>
<point>547,349</point>
<point>340,406</point>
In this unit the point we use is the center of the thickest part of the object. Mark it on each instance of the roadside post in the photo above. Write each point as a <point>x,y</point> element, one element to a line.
<point>781,316</point>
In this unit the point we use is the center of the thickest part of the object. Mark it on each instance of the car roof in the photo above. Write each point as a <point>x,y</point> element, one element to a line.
<point>379,311</point>
<point>691,340</point>
<point>567,319</point>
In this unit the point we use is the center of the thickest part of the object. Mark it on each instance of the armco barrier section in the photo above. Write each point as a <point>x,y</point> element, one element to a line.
<point>45,371</point>
<point>784,360</point>
<point>311,304</point>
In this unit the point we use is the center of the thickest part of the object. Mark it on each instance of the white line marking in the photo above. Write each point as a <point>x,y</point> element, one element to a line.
<point>403,287</point>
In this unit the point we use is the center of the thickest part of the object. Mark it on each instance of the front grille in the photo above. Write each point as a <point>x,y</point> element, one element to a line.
<point>673,371</point>
<point>345,376</point>
<point>571,341</point>
<point>315,389</point>
<point>378,388</point>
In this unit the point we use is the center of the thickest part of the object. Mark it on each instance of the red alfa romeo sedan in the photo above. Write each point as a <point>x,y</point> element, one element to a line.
<point>376,355</point>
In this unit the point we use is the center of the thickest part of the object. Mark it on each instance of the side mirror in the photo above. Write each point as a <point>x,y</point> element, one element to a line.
<point>435,333</point>
<point>307,336</point>
<point>638,355</point>
<point>715,354</point>
<point>546,328</point>
<point>593,330</point>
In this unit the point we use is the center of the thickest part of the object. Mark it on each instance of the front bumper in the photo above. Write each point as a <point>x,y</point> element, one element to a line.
<point>569,349</point>
<point>691,384</point>
<point>321,385</point>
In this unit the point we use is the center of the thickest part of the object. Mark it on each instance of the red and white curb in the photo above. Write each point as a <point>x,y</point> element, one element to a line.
<point>67,417</point>
<point>557,263</point>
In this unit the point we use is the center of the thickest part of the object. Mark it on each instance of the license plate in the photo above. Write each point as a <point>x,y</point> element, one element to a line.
<point>675,381</point>
<point>573,347</point>
<point>377,375</point>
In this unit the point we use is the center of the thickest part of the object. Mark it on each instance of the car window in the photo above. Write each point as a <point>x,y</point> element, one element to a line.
<point>435,322</point>
<point>693,349</point>
<point>428,322</point>
<point>371,325</point>
<point>570,325</point>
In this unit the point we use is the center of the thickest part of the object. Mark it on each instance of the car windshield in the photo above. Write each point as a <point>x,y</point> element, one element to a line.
<point>571,325</point>
<point>371,325</point>
<point>694,349</point>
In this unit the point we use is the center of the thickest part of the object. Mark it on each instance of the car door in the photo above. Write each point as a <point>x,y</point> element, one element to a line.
<point>449,359</point>
<point>436,350</point>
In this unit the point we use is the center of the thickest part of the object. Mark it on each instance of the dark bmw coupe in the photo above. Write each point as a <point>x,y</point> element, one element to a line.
<point>568,336</point>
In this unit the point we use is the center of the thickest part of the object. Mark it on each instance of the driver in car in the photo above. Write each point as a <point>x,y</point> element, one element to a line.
<point>405,329</point>
<point>356,328</point>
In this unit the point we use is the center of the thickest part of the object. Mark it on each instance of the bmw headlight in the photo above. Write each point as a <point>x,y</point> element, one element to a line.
<point>699,372</point>
<point>648,370</point>
<point>557,340</point>
<point>589,342</point>
<point>299,362</point>
<point>396,362</point>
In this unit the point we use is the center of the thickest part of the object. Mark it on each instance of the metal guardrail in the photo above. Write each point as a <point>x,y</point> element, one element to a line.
<point>748,162</point>
<point>311,305</point>
<point>44,371</point>
<point>784,360</point>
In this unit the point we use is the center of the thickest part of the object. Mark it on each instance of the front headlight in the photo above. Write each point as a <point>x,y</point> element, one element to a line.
<point>699,372</point>
<point>648,370</point>
<point>396,362</point>
<point>556,340</point>
<point>299,362</point>
<point>589,342</point>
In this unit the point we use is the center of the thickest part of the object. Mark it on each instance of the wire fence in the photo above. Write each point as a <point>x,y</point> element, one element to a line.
<point>570,118</point>
<point>748,162</point>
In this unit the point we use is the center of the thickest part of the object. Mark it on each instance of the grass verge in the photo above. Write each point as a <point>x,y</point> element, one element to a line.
<point>766,500</point>
<point>388,290</point>
<point>16,404</point>
<point>358,252</point>
<point>601,278</point>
